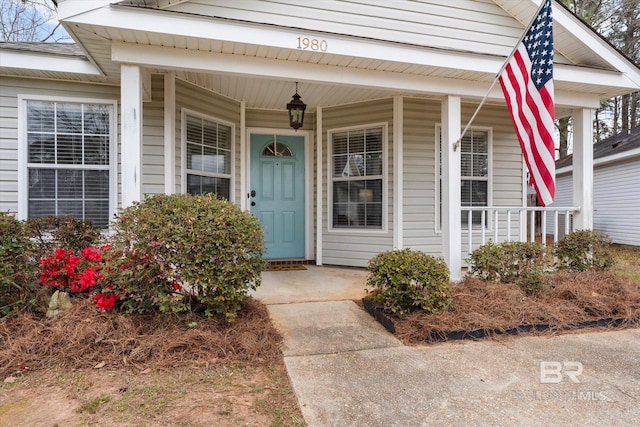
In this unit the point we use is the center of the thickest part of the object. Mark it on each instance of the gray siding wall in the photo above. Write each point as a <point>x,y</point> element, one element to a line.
<point>419,186</point>
<point>210,104</point>
<point>343,247</point>
<point>10,88</point>
<point>470,25</point>
<point>616,205</point>
<point>419,190</point>
<point>563,198</point>
<point>616,201</point>
<point>153,142</point>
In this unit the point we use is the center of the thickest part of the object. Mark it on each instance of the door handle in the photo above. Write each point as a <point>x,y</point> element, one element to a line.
<point>253,193</point>
<point>253,203</point>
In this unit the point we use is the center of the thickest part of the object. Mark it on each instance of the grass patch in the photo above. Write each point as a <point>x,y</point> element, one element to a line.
<point>92,406</point>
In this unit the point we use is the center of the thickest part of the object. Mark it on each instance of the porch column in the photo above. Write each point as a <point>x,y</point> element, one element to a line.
<point>131,133</point>
<point>583,168</point>
<point>319,178</point>
<point>244,188</point>
<point>451,216</point>
<point>169,133</point>
<point>398,163</point>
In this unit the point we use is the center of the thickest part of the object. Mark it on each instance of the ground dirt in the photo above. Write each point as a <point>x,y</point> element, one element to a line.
<point>91,368</point>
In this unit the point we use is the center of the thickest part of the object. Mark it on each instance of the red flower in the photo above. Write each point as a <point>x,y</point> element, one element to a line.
<point>87,279</point>
<point>175,285</point>
<point>105,301</point>
<point>92,254</point>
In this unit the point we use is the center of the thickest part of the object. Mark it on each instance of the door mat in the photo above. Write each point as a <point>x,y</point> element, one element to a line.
<point>289,267</point>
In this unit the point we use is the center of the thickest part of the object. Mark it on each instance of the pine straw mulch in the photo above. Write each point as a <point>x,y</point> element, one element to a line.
<point>85,337</point>
<point>572,298</point>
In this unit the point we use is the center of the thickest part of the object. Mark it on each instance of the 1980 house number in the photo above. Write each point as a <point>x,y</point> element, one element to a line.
<point>305,43</point>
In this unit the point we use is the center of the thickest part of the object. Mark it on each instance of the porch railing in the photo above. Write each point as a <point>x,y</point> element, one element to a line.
<point>500,223</point>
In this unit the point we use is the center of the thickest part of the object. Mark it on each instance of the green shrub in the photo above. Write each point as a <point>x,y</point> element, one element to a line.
<point>189,252</point>
<point>18,269</point>
<point>584,250</point>
<point>521,263</point>
<point>507,261</point>
<point>486,261</point>
<point>405,280</point>
<point>51,232</point>
<point>532,281</point>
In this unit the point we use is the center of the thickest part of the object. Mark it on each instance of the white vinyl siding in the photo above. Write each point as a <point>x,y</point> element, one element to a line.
<point>420,202</point>
<point>203,102</point>
<point>468,25</point>
<point>153,139</point>
<point>563,198</point>
<point>419,218</point>
<point>616,206</point>
<point>357,247</point>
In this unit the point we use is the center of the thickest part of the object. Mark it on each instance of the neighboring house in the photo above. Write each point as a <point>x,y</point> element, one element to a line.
<point>616,186</point>
<point>173,96</point>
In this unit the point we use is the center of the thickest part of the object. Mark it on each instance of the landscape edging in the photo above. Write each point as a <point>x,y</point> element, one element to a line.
<point>462,334</point>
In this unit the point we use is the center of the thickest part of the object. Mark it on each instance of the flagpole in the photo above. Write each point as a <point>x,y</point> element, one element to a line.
<point>495,79</point>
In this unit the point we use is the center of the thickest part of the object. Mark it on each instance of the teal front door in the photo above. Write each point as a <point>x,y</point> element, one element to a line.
<point>277,192</point>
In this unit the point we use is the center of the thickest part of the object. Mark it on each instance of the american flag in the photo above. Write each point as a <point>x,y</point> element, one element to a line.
<point>527,84</point>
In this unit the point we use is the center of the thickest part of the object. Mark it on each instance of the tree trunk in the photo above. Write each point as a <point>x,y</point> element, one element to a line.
<point>624,113</point>
<point>563,129</point>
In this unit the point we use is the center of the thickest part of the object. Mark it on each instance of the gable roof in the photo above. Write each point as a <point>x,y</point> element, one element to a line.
<point>616,145</point>
<point>66,49</point>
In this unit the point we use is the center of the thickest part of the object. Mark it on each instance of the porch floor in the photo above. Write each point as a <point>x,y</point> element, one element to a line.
<point>314,284</point>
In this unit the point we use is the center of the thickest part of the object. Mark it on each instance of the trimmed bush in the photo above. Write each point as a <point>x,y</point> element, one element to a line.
<point>406,280</point>
<point>18,268</point>
<point>187,252</point>
<point>521,263</point>
<point>51,232</point>
<point>584,250</point>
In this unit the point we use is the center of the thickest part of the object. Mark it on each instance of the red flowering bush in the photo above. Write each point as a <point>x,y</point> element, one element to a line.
<point>66,271</point>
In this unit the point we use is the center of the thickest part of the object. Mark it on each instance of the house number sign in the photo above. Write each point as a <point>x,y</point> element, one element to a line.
<point>318,45</point>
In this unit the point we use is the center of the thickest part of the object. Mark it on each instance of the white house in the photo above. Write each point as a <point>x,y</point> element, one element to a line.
<point>166,96</point>
<point>616,187</point>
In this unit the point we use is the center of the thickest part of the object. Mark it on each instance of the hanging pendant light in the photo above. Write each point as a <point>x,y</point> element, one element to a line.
<point>296,111</point>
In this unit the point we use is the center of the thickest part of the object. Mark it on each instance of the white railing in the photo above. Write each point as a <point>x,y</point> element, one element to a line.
<point>500,223</point>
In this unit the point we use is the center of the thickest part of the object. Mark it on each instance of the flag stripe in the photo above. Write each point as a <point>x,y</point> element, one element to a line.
<point>527,85</point>
<point>523,135</point>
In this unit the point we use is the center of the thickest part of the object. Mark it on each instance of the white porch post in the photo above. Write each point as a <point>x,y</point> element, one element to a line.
<point>583,168</point>
<point>319,178</point>
<point>398,159</point>
<point>451,215</point>
<point>131,136</point>
<point>169,133</point>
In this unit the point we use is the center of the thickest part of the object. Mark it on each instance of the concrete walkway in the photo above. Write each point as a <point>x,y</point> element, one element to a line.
<point>346,370</point>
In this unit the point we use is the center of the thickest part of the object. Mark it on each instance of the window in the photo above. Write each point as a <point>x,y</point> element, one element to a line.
<point>69,159</point>
<point>356,178</point>
<point>208,148</point>
<point>474,173</point>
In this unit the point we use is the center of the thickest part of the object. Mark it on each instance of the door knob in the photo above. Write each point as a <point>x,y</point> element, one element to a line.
<point>253,193</point>
<point>253,203</point>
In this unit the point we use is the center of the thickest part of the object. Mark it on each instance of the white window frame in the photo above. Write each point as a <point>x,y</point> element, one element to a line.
<point>184,112</point>
<point>438,176</point>
<point>385,181</point>
<point>23,149</point>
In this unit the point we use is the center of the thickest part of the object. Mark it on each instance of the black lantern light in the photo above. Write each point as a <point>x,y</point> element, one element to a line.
<point>296,110</point>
